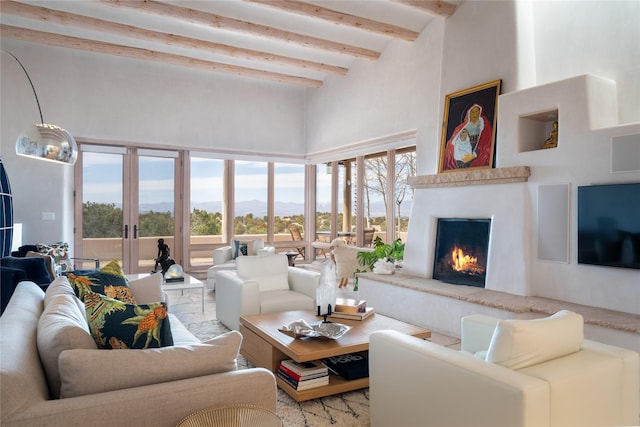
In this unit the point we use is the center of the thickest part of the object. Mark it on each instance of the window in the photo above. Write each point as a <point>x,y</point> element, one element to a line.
<point>405,166</point>
<point>206,218</point>
<point>227,198</point>
<point>386,195</point>
<point>102,207</point>
<point>323,201</point>
<point>251,195</point>
<point>128,200</point>
<point>375,193</point>
<point>156,207</point>
<point>288,195</point>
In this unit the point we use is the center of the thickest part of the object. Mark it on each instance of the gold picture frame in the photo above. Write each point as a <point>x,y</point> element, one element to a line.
<point>469,128</point>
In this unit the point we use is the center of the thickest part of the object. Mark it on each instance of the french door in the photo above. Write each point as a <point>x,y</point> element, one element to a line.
<point>127,199</point>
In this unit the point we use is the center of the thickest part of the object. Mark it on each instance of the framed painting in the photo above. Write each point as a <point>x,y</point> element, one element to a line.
<point>469,128</point>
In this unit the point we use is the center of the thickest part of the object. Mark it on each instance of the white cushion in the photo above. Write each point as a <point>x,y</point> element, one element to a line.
<point>286,300</point>
<point>180,333</point>
<point>516,344</point>
<point>94,371</point>
<point>62,326</point>
<point>147,289</point>
<point>270,272</point>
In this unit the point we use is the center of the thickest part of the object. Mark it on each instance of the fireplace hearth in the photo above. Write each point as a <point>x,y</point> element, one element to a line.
<point>461,251</point>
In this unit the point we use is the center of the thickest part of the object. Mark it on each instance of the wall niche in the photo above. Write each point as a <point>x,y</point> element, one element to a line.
<point>535,129</point>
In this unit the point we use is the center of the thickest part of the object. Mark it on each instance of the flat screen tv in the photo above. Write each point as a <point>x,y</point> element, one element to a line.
<point>609,225</point>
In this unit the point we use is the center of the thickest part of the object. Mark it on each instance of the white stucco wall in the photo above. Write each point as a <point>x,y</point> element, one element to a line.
<point>397,93</point>
<point>527,45</point>
<point>116,99</point>
<point>608,46</point>
<point>113,98</point>
<point>518,42</point>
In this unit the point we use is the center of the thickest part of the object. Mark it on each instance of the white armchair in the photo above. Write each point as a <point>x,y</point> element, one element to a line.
<point>224,258</point>
<point>346,259</point>
<point>509,373</point>
<point>263,284</point>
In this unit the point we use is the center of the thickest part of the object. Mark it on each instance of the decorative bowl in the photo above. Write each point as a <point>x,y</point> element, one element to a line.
<point>300,328</point>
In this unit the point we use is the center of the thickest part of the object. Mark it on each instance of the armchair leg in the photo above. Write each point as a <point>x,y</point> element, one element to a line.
<point>343,282</point>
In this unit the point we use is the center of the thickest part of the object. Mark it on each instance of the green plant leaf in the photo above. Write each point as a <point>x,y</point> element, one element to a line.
<point>393,252</point>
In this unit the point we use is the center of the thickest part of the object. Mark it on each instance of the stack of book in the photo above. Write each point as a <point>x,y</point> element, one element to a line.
<point>303,375</point>
<point>350,366</point>
<point>352,309</point>
<point>350,305</point>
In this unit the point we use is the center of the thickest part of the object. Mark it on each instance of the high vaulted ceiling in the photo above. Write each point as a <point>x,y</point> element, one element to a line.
<point>288,41</point>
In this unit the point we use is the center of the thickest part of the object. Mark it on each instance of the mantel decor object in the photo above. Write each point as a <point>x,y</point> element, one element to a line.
<point>45,141</point>
<point>384,266</point>
<point>552,140</point>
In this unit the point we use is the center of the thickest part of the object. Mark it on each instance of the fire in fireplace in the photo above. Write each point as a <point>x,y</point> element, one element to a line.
<point>461,252</point>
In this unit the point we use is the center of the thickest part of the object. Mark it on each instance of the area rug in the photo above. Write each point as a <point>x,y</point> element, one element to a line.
<point>346,409</point>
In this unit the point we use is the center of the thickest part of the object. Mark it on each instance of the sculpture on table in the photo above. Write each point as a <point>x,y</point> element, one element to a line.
<point>163,259</point>
<point>326,291</point>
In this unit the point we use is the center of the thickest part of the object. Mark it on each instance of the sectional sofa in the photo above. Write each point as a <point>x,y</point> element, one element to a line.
<point>53,374</point>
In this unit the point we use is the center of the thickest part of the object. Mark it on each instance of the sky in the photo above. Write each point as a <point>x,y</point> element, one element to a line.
<point>103,184</point>
<point>103,180</point>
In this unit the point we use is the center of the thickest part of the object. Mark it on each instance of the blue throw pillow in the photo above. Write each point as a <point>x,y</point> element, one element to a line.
<point>236,244</point>
<point>22,250</point>
<point>9,279</point>
<point>243,248</point>
<point>35,268</point>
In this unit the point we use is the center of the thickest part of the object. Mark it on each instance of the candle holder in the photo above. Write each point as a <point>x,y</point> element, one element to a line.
<point>325,314</point>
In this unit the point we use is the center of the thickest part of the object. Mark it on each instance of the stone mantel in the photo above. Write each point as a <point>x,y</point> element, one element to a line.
<point>517,305</point>
<point>472,177</point>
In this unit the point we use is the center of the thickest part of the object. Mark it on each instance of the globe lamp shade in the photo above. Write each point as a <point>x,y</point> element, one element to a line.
<point>47,142</point>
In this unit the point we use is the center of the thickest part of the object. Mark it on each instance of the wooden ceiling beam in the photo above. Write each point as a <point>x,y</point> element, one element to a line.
<point>58,40</point>
<point>217,21</point>
<point>64,18</point>
<point>434,7</point>
<point>341,18</point>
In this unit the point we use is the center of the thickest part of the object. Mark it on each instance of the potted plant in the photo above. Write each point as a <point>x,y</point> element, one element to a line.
<point>388,252</point>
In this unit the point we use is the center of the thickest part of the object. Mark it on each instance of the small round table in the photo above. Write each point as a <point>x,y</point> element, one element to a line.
<point>233,416</point>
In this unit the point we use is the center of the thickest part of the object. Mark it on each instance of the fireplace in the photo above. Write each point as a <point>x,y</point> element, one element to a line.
<point>461,251</point>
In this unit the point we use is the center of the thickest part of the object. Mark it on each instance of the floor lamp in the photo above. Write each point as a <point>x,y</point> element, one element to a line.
<point>6,224</point>
<point>44,141</point>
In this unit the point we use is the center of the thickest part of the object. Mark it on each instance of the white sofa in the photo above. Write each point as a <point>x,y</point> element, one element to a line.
<point>46,350</point>
<point>263,284</point>
<point>224,258</point>
<point>509,373</point>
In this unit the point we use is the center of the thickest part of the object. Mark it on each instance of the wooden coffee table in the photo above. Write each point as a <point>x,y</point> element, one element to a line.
<point>265,346</point>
